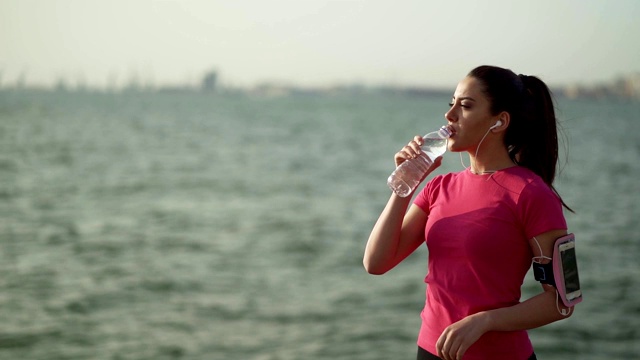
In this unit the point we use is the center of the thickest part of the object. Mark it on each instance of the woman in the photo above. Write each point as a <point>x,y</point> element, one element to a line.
<point>484,225</point>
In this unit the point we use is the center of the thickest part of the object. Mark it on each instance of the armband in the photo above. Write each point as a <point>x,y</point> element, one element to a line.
<point>544,273</point>
<point>562,271</point>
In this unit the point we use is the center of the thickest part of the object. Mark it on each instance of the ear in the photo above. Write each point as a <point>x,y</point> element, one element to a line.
<point>504,118</point>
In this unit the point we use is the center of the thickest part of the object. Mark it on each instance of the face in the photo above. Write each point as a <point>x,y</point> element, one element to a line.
<point>469,115</point>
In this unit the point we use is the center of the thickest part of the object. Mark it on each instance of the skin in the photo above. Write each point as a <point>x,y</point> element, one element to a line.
<point>399,232</point>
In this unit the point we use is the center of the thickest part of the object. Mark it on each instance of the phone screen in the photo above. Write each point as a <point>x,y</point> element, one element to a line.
<point>570,270</point>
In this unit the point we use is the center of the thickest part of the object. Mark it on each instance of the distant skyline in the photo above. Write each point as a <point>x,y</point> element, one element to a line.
<point>314,43</point>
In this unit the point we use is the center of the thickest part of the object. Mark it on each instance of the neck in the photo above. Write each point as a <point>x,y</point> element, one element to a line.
<point>490,158</point>
<point>483,168</point>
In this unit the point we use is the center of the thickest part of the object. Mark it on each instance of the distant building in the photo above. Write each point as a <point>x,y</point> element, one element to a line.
<point>61,85</point>
<point>632,86</point>
<point>624,87</point>
<point>209,81</point>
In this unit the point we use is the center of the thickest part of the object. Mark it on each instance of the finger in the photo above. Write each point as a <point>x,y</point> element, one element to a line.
<point>460,352</point>
<point>440,346</point>
<point>416,144</point>
<point>451,352</point>
<point>447,347</point>
<point>413,148</point>
<point>401,156</point>
<point>457,351</point>
<point>410,150</point>
<point>406,153</point>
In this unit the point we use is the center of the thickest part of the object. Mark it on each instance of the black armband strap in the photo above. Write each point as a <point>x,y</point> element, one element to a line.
<point>544,273</point>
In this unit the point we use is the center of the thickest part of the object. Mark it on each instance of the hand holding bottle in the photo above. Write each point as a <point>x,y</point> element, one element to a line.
<point>410,151</point>
<point>416,160</point>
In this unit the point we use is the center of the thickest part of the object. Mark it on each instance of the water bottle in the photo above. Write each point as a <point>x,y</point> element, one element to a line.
<point>406,177</point>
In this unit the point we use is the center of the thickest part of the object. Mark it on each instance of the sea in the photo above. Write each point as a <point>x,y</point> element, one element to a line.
<point>177,225</point>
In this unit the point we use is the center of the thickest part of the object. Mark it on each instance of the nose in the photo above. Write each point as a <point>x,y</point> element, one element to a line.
<point>450,115</point>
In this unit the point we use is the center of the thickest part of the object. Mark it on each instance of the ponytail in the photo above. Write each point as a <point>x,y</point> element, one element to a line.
<point>532,137</point>
<point>539,147</point>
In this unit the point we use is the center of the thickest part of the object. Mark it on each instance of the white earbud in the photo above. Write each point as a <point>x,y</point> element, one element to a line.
<point>499,123</point>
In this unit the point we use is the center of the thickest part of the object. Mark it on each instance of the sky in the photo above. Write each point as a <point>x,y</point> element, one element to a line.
<point>428,43</point>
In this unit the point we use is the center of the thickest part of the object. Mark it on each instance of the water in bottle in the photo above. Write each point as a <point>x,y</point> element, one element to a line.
<point>406,177</point>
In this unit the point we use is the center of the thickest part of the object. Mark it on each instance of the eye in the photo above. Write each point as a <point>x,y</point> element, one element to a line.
<point>462,105</point>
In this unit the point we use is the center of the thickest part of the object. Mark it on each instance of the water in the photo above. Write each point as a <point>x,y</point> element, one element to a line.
<point>177,226</point>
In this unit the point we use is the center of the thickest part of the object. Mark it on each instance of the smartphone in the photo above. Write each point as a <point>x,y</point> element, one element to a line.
<point>566,270</point>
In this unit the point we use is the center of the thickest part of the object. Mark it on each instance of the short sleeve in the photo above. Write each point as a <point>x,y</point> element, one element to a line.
<point>540,210</point>
<point>426,196</point>
<point>422,201</point>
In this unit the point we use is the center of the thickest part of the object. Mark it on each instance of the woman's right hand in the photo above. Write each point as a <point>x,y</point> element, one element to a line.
<point>412,150</point>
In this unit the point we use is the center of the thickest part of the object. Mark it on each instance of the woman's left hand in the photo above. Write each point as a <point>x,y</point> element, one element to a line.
<point>458,337</point>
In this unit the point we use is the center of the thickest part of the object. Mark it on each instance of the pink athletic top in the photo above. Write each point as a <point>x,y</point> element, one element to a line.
<point>477,233</point>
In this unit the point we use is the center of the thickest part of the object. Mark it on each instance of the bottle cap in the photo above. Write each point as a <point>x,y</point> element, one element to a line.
<point>445,132</point>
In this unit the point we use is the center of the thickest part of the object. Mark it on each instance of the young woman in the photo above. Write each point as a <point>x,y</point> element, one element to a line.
<point>483,225</point>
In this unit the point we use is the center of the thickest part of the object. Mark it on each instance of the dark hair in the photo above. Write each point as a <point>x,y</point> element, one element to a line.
<point>532,136</point>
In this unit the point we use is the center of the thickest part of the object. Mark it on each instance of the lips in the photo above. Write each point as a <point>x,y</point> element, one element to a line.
<point>452,130</point>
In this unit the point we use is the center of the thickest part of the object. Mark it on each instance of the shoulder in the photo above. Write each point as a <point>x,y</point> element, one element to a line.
<point>538,206</point>
<point>444,180</point>
<point>434,187</point>
<point>449,177</point>
<point>525,182</point>
<point>533,194</point>
<point>526,190</point>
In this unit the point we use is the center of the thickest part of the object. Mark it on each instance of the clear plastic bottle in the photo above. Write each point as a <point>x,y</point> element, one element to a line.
<point>406,177</point>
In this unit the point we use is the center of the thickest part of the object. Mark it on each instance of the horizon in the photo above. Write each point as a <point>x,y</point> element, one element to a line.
<point>191,84</point>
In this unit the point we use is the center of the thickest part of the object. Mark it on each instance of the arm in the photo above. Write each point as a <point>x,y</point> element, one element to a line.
<point>537,311</point>
<point>541,309</point>
<point>398,232</point>
<point>394,236</point>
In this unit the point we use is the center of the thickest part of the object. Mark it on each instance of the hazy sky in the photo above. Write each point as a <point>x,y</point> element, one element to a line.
<point>315,42</point>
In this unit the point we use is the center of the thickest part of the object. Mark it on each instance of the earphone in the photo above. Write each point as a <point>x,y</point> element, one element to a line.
<point>498,123</point>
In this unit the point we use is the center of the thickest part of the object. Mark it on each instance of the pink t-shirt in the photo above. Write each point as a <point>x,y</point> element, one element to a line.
<point>477,234</point>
